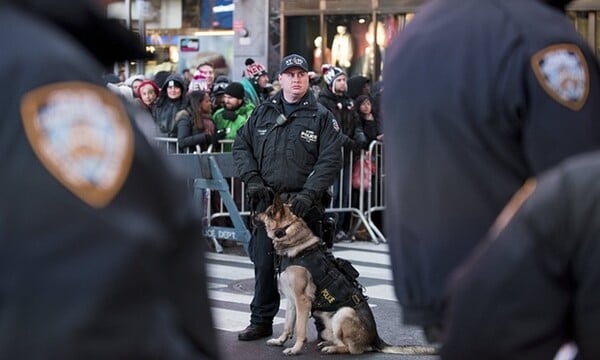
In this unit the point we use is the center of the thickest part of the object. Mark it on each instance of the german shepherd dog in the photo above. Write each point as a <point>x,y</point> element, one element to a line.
<point>347,329</point>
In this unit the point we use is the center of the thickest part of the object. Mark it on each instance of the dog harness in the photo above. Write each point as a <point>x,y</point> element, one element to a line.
<point>335,287</point>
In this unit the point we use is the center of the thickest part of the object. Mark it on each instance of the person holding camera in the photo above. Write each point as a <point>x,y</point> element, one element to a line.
<point>289,146</point>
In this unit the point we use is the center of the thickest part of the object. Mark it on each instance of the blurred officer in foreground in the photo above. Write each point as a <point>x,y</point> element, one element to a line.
<point>533,285</point>
<point>101,253</point>
<point>479,96</point>
<point>290,146</point>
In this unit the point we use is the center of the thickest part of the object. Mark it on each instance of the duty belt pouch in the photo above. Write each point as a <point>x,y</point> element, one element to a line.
<point>346,268</point>
<point>328,231</point>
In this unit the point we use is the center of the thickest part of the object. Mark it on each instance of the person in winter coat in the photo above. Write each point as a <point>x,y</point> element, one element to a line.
<point>531,286</point>
<point>290,146</point>
<point>525,101</point>
<point>334,97</point>
<point>234,114</point>
<point>100,254</point>
<point>255,82</point>
<point>170,101</point>
<point>147,94</point>
<point>195,126</point>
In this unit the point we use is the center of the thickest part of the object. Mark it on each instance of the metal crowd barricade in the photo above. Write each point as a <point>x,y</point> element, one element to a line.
<point>219,176</point>
<point>364,201</point>
<point>208,171</point>
<point>376,194</point>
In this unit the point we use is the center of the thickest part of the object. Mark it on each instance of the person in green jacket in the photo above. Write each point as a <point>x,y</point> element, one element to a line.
<point>234,114</point>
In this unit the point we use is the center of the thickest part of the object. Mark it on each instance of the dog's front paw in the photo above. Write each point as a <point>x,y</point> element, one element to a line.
<point>328,349</point>
<point>322,344</point>
<point>275,342</point>
<point>291,351</point>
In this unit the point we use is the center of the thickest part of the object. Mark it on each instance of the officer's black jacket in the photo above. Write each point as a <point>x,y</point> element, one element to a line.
<point>304,152</point>
<point>470,122</point>
<point>533,285</point>
<point>121,280</point>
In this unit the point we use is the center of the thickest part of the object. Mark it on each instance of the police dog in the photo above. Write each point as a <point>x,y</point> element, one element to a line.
<point>347,329</point>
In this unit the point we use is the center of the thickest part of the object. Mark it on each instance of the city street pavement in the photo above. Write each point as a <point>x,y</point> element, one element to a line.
<point>231,286</point>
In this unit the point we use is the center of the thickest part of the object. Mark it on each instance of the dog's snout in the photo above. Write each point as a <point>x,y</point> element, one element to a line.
<point>279,233</point>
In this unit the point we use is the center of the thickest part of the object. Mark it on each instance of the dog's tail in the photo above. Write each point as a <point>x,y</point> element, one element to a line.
<point>386,348</point>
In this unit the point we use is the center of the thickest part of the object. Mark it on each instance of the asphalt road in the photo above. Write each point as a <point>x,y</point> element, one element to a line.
<point>231,287</point>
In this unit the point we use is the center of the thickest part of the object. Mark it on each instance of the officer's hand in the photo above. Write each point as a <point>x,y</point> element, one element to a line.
<point>301,203</point>
<point>257,191</point>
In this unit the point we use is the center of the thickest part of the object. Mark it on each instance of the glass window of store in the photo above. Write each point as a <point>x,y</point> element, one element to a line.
<point>353,42</point>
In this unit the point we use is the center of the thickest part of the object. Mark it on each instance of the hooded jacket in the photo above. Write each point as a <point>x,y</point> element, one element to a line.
<point>166,108</point>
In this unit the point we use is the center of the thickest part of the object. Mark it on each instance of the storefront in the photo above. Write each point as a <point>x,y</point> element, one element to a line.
<point>355,34</point>
<point>585,14</point>
<point>351,35</point>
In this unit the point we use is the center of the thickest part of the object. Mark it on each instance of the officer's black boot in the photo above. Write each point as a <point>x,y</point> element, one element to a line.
<point>255,332</point>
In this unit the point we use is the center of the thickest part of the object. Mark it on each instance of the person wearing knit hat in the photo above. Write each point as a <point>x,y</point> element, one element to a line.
<point>234,113</point>
<point>235,90</point>
<point>147,93</point>
<point>218,92</point>
<point>134,82</point>
<point>255,81</point>
<point>335,98</point>
<point>199,82</point>
<point>331,74</point>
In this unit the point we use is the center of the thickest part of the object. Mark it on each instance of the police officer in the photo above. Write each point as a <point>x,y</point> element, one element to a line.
<point>291,146</point>
<point>101,254</point>
<point>479,96</point>
<point>533,285</point>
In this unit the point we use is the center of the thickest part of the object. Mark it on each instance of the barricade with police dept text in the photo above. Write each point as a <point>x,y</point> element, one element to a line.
<point>365,200</point>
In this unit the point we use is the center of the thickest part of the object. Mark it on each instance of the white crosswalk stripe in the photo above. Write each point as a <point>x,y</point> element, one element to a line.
<point>372,261</point>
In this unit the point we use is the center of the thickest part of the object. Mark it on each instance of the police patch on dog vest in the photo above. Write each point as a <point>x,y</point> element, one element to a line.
<point>82,135</point>
<point>563,73</point>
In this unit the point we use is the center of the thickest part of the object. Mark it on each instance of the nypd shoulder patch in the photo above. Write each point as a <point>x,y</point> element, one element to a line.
<point>335,124</point>
<point>562,71</point>
<point>82,135</point>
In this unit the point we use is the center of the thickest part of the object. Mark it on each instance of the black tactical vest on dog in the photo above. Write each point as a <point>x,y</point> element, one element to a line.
<point>335,278</point>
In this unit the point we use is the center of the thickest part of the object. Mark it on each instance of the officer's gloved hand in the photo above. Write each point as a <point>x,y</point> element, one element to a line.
<point>362,142</point>
<point>302,203</point>
<point>257,191</point>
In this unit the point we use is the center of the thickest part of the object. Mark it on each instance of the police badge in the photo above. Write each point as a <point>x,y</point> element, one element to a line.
<point>563,73</point>
<point>82,135</point>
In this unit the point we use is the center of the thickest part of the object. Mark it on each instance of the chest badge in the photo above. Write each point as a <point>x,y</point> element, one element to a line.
<point>562,71</point>
<point>82,135</point>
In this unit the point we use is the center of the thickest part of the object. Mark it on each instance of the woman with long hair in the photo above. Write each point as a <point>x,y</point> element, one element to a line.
<point>195,126</point>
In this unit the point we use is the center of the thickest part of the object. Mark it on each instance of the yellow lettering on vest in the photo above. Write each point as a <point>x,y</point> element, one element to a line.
<point>327,296</point>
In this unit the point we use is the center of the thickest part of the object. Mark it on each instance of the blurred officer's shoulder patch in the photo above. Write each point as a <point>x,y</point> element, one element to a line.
<point>335,124</point>
<point>562,71</point>
<point>82,135</point>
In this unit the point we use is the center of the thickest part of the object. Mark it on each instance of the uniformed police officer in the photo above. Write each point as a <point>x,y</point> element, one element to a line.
<point>101,255</point>
<point>291,146</point>
<point>532,287</point>
<point>479,96</point>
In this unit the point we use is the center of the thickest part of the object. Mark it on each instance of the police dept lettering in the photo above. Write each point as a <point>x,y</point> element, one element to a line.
<point>309,136</point>
<point>563,73</point>
<point>82,135</point>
